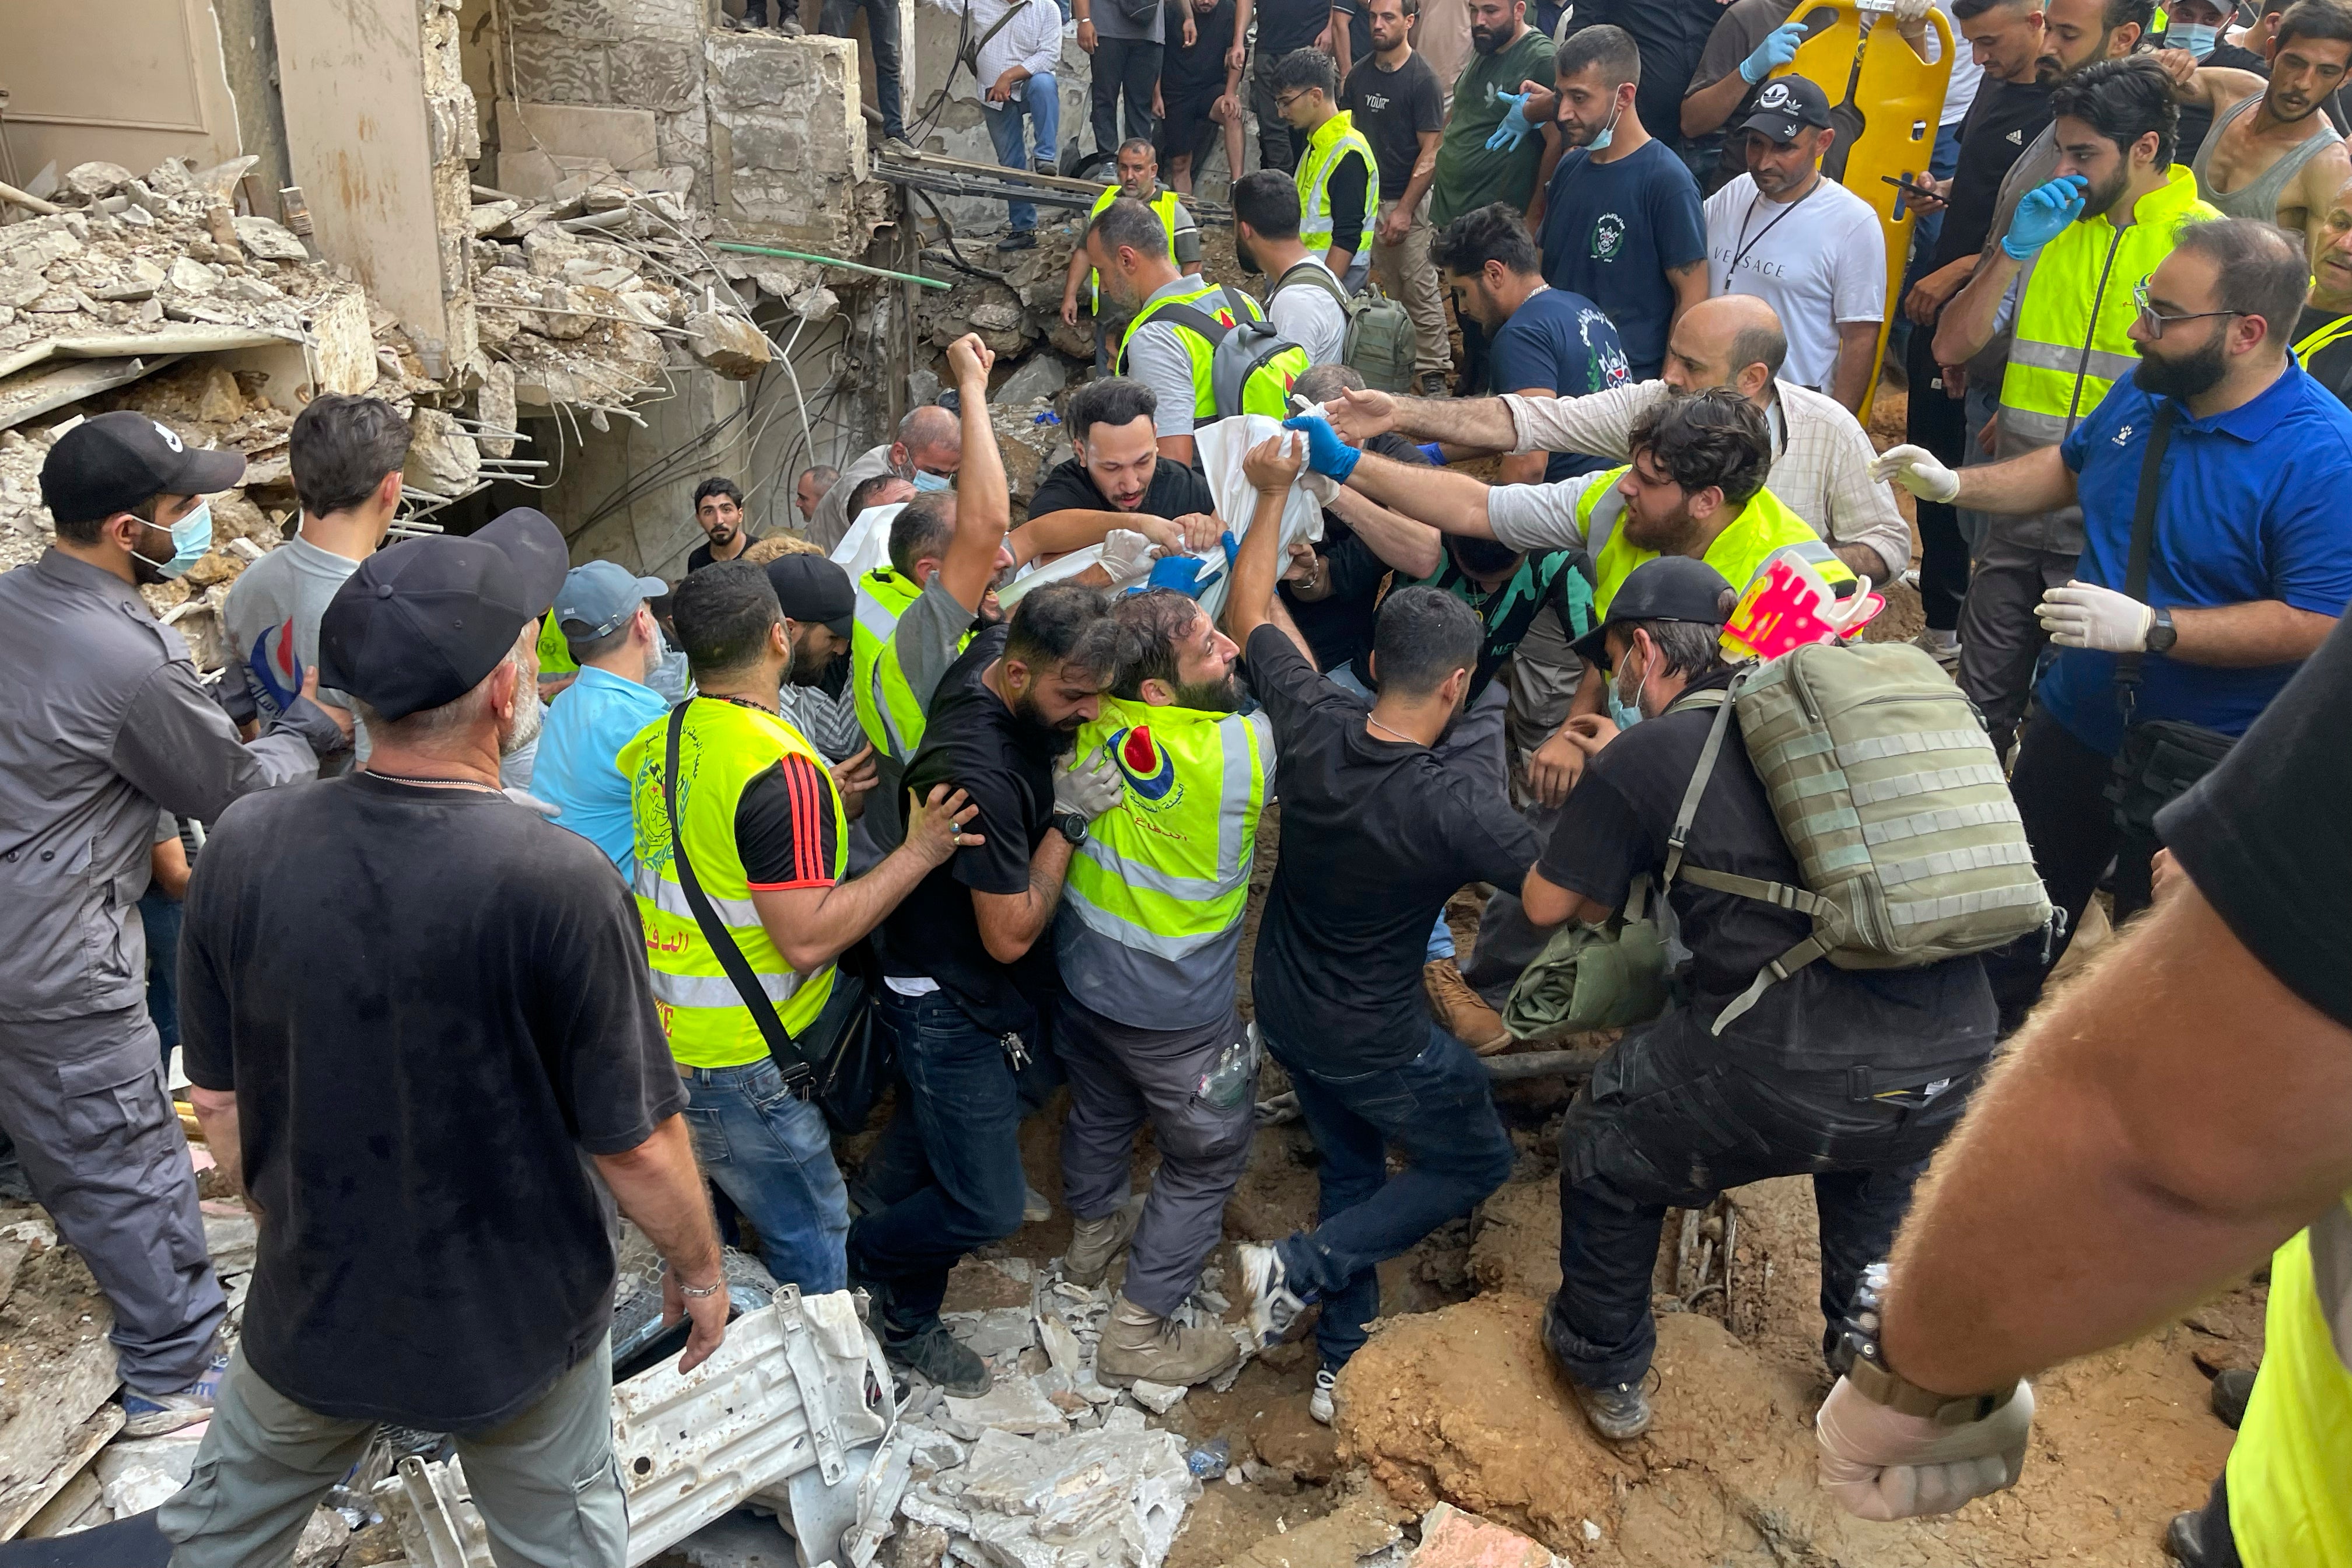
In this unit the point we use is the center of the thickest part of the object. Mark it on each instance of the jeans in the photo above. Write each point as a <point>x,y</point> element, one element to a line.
<point>161,914</point>
<point>1128,67</point>
<point>1440,1111</point>
<point>771,1154</point>
<point>1039,101</point>
<point>1671,1117</point>
<point>839,17</point>
<point>949,1174</point>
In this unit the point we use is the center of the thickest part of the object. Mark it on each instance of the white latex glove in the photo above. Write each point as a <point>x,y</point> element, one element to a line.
<point>1910,11</point>
<point>1088,788</point>
<point>1878,1463</point>
<point>1917,469</point>
<point>2082,616</point>
<point>1127,554</point>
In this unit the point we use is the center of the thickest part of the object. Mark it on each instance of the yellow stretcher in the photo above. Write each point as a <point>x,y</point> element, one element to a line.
<point>1899,96</point>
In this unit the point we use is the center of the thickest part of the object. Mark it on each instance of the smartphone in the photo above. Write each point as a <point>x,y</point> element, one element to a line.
<point>1911,188</point>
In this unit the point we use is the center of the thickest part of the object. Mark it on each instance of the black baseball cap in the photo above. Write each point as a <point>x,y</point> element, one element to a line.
<point>813,589</point>
<point>1787,106</point>
<point>113,462</point>
<point>420,625</point>
<point>1668,588</point>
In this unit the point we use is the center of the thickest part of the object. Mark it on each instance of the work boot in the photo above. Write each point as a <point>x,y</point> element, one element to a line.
<point>1433,383</point>
<point>1138,1344</point>
<point>1019,239</point>
<point>153,1415</point>
<point>1941,646</point>
<point>1273,1305</point>
<point>1094,1242</point>
<point>1322,1405</point>
<point>1620,1412</point>
<point>945,1360</point>
<point>2184,1540</point>
<point>1462,1012</point>
<point>2232,1389</point>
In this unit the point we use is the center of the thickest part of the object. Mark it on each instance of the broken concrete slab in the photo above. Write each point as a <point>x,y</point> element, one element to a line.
<point>1453,1538</point>
<point>995,1331</point>
<point>136,1475</point>
<point>1015,1406</point>
<point>1039,375</point>
<point>622,138</point>
<point>728,343</point>
<point>1159,1398</point>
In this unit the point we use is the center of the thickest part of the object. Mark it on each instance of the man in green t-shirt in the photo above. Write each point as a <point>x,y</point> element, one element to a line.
<point>1491,153</point>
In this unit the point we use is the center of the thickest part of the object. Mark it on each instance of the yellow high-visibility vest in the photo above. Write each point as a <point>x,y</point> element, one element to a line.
<point>1333,140</point>
<point>2290,1473</point>
<point>888,709</point>
<point>1764,528</point>
<point>1266,390</point>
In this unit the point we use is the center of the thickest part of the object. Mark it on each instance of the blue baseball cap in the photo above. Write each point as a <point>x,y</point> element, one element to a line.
<point>599,597</point>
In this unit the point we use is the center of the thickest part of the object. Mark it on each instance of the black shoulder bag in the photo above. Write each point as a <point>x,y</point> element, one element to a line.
<point>838,1060</point>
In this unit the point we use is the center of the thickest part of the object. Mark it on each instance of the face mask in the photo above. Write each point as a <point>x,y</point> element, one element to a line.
<point>2197,38</point>
<point>928,482</point>
<point>192,541</point>
<point>1623,712</point>
<point>1600,142</point>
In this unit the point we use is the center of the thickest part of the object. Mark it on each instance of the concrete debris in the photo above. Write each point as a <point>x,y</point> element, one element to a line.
<point>1113,1497</point>
<point>1159,1398</point>
<point>1453,1538</point>
<point>1014,1405</point>
<point>1040,376</point>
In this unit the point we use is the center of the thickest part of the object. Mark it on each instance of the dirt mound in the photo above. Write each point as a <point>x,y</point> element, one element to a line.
<point>1517,1248</point>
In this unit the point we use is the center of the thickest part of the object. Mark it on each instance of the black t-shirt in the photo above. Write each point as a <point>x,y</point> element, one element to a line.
<point>2332,364</point>
<point>1393,109</point>
<point>1350,178</point>
<point>700,556</point>
<point>1671,36</point>
<point>2260,834</point>
<point>973,742</point>
<point>1376,836</point>
<point>420,1080</point>
<point>1359,28</point>
<point>784,828</point>
<point>1614,827</point>
<point>1192,76</point>
<point>1177,489</point>
<point>1555,579</point>
<point>2001,123</point>
<point>1338,625</point>
<point>1287,24</point>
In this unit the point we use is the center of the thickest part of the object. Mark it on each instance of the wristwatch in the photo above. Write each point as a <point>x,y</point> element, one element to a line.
<point>2161,633</point>
<point>1881,1384</point>
<point>1070,825</point>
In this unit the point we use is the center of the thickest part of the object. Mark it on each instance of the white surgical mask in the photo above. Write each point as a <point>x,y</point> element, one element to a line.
<point>929,482</point>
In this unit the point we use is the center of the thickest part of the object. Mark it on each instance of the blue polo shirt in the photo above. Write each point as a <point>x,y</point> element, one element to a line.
<point>577,772</point>
<point>2252,506</point>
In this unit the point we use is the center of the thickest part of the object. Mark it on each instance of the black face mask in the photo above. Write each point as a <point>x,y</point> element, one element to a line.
<point>1482,557</point>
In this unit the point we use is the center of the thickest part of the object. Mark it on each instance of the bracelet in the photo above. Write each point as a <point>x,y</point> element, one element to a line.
<point>698,1292</point>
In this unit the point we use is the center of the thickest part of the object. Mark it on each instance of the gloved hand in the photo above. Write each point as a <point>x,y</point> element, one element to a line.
<point>1910,13</point>
<point>1917,469</point>
<point>2042,216</point>
<point>1436,452</point>
<point>1188,574</point>
<point>1326,453</point>
<point>1087,787</point>
<point>1515,126</point>
<point>1779,48</point>
<point>1878,1463</point>
<point>1126,554</point>
<point>2081,615</point>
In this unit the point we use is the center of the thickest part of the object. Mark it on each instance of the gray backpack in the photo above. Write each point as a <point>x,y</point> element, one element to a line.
<point>1379,340</point>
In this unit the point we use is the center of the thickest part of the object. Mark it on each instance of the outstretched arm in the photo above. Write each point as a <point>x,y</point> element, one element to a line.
<point>1272,467</point>
<point>983,504</point>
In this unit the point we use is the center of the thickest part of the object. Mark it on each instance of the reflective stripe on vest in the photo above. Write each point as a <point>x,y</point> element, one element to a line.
<point>1764,528</point>
<point>723,749</point>
<point>1332,139</point>
<point>1167,870</point>
<point>2290,1472</point>
<point>1202,353</point>
<point>1163,202</point>
<point>886,709</point>
<point>2075,313</point>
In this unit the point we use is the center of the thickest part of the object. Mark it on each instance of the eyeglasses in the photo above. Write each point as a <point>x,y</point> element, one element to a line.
<point>2155,320</point>
<point>1283,101</point>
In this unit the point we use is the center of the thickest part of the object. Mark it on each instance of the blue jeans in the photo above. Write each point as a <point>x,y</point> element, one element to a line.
<point>1039,101</point>
<point>161,914</point>
<point>949,1166</point>
<point>771,1154</point>
<point>1439,1110</point>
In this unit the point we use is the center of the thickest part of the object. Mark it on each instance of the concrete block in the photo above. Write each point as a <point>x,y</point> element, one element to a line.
<point>1161,1398</point>
<point>996,1332</point>
<point>551,68</point>
<point>621,137</point>
<point>1013,1406</point>
<point>651,74</point>
<point>1453,1538</point>
<point>139,1473</point>
<point>586,20</point>
<point>269,240</point>
<point>683,20</point>
<point>1041,375</point>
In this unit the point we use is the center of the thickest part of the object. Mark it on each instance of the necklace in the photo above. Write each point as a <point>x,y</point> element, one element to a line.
<point>1745,244</point>
<point>435,783</point>
<point>1376,724</point>
<point>742,702</point>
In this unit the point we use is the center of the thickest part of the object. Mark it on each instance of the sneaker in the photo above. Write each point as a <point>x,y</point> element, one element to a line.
<point>1433,383</point>
<point>2232,1389</point>
<point>1944,647</point>
<point>1035,1208</point>
<point>1019,239</point>
<point>1620,1412</point>
<point>1273,1305</point>
<point>153,1415</point>
<point>897,147</point>
<point>1094,1242</point>
<point>1319,1403</point>
<point>1137,1344</point>
<point>943,1358</point>
<point>1049,168</point>
<point>1462,1012</point>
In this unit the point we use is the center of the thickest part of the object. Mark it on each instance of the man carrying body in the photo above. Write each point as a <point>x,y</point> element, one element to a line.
<point>1303,295</point>
<point>1146,941</point>
<point>1338,179</point>
<point>1400,106</point>
<point>809,490</point>
<point>2271,154</point>
<point>346,454</point>
<point>1116,479</point>
<point>2249,569</point>
<point>2105,221</point>
<point>106,722</point>
<point>1824,272</point>
<point>1377,832</point>
<point>1139,178</point>
<point>612,637</point>
<point>1491,151</point>
<point>926,453</point>
<point>418,1026</point>
<point>1677,1112</point>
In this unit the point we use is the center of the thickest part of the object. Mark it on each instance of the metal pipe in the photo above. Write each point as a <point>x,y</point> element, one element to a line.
<point>828,261</point>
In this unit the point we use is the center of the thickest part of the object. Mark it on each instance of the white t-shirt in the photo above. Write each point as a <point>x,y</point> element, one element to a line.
<point>1307,314</point>
<point>1817,261</point>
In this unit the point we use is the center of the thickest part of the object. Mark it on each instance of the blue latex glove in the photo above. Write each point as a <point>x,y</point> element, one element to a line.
<point>1515,125</point>
<point>1326,453</point>
<point>1779,48</point>
<point>2044,216</point>
<point>1434,452</point>
<point>1189,575</point>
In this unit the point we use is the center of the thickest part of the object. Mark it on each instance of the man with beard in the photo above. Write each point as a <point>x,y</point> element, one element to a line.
<point>1492,150</point>
<point>1302,294</point>
<point>2062,274</point>
<point>1116,479</point>
<point>2271,154</point>
<point>106,722</point>
<point>753,810</point>
<point>926,451</point>
<point>1400,105</point>
<point>968,977</point>
<point>2248,567</point>
<point>609,631</point>
<point>1148,940</point>
<point>719,512</point>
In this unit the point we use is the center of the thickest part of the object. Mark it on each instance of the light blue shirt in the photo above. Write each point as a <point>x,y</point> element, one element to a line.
<point>593,718</point>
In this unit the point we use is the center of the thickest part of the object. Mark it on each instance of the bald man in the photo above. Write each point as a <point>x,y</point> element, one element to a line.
<point>1820,455</point>
<point>927,452</point>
